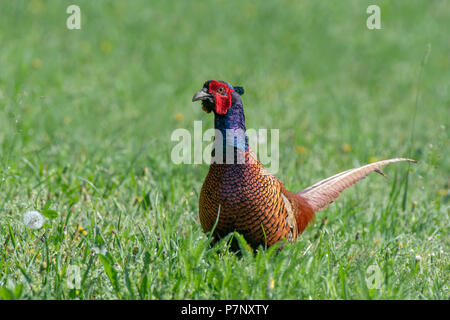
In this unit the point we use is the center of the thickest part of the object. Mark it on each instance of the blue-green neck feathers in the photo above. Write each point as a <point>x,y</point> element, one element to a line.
<point>232,125</point>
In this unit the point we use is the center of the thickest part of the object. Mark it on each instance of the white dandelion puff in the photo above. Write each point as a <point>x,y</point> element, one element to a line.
<point>33,219</point>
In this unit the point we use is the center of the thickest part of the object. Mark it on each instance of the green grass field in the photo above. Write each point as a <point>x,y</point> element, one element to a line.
<point>86,118</point>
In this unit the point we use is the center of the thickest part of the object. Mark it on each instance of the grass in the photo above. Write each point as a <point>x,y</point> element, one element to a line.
<point>85,124</point>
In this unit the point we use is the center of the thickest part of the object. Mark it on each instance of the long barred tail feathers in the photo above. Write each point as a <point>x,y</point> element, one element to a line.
<point>324,192</point>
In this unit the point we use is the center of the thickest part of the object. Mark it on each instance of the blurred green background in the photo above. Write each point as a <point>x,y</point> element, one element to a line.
<point>313,70</point>
<point>84,114</point>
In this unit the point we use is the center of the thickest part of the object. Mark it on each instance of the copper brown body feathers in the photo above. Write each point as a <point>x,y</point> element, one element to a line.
<point>248,199</point>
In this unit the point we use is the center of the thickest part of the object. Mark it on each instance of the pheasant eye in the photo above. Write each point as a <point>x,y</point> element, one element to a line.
<point>221,90</point>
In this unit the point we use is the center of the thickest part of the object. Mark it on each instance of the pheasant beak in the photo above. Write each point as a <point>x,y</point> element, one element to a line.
<point>203,95</point>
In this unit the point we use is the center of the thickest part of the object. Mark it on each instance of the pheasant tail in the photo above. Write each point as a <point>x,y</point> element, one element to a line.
<point>326,191</point>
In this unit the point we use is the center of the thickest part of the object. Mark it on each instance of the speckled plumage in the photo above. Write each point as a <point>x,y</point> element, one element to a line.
<point>250,200</point>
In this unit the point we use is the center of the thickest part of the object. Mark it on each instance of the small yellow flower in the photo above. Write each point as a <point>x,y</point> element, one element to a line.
<point>178,116</point>
<point>400,245</point>
<point>106,47</point>
<point>77,292</point>
<point>36,6</point>
<point>271,284</point>
<point>301,150</point>
<point>83,232</point>
<point>346,148</point>
<point>373,159</point>
<point>442,192</point>
<point>36,63</point>
<point>139,199</point>
<point>67,120</point>
<point>250,10</point>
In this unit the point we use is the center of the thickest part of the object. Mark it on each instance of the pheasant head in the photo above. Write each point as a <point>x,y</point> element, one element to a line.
<point>224,101</point>
<point>218,96</point>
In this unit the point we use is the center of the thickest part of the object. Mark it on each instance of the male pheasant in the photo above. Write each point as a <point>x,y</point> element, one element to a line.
<point>239,194</point>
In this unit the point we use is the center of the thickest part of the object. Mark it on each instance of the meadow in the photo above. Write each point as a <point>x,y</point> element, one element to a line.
<point>86,118</point>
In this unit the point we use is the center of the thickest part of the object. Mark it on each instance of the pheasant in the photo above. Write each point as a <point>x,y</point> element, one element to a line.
<point>239,194</point>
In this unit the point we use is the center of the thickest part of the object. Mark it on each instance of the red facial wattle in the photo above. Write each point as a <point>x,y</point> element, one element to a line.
<point>223,100</point>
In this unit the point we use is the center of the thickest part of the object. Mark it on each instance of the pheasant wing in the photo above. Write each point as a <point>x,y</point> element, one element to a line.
<point>324,192</point>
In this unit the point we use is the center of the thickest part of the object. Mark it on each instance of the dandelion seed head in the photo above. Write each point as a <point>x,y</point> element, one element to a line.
<point>33,219</point>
